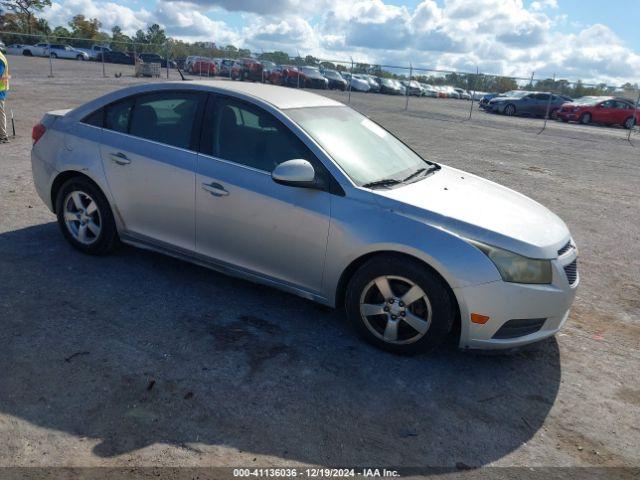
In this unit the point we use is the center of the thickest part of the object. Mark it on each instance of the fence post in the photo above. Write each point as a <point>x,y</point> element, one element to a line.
<point>166,54</point>
<point>104,73</point>
<point>50,59</point>
<point>406,103</point>
<point>473,94</point>
<point>350,80</point>
<point>635,116</point>
<point>546,115</point>
<point>135,59</point>
<point>298,65</point>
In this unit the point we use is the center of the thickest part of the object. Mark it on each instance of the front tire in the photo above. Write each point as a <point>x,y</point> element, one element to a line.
<point>85,217</point>
<point>510,110</point>
<point>399,305</point>
<point>585,119</point>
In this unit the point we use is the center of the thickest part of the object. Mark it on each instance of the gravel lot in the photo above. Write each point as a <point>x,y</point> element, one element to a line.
<point>138,359</point>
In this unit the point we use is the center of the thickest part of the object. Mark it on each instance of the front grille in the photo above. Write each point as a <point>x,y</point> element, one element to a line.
<point>519,327</point>
<point>564,249</point>
<point>571,271</point>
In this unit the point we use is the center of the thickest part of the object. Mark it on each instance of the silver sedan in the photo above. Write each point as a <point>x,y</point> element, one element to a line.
<point>300,192</point>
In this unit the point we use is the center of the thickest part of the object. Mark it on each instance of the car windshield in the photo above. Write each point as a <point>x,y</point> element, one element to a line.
<point>311,70</point>
<point>365,151</point>
<point>515,94</point>
<point>332,74</point>
<point>588,100</point>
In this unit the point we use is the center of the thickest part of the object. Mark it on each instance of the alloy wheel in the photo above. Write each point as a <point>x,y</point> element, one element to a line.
<point>509,110</point>
<point>82,217</point>
<point>395,309</point>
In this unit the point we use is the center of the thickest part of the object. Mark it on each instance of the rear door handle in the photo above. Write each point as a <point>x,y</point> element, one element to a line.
<point>120,158</point>
<point>215,189</point>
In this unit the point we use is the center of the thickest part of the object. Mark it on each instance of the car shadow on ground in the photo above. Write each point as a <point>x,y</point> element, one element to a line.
<point>136,348</point>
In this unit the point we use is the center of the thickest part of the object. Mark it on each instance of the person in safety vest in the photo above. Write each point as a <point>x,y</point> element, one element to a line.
<point>4,87</point>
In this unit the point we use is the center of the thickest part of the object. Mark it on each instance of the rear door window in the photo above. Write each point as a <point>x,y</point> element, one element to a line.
<point>167,117</point>
<point>94,119</point>
<point>117,116</point>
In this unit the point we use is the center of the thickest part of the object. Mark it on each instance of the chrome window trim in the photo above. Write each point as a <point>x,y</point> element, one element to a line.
<point>235,164</point>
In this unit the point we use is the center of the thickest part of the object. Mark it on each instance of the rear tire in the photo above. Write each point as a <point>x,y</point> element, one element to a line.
<point>399,305</point>
<point>80,57</point>
<point>85,217</point>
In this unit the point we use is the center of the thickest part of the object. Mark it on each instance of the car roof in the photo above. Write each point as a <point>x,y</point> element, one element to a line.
<point>280,97</point>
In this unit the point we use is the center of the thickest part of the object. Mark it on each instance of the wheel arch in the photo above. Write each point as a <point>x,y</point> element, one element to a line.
<point>351,269</point>
<point>62,178</point>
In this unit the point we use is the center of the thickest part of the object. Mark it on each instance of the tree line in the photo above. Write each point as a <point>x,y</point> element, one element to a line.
<point>21,16</point>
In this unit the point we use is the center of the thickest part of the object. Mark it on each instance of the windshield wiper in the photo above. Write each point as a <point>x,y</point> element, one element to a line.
<point>385,182</point>
<point>388,182</point>
<point>426,171</point>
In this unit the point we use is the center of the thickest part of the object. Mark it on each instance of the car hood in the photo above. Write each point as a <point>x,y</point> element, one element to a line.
<point>478,209</point>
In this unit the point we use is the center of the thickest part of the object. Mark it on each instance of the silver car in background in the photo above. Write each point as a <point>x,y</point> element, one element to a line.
<point>300,192</point>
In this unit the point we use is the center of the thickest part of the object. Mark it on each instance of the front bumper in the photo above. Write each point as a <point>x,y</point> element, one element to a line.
<point>546,306</point>
<point>315,83</point>
<point>568,116</point>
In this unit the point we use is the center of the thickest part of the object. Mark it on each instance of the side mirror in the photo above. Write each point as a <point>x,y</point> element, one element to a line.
<point>295,173</point>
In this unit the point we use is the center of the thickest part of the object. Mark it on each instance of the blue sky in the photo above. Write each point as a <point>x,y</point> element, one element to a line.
<point>594,40</point>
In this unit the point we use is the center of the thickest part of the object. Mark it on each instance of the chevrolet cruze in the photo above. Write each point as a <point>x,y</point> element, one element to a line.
<point>300,192</point>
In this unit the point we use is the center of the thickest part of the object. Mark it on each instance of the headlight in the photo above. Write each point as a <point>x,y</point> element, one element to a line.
<point>516,268</point>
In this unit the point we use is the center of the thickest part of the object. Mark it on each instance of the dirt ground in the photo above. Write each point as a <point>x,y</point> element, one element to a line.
<point>137,359</point>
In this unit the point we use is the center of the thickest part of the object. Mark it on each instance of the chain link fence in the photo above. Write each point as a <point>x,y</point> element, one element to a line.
<point>417,90</point>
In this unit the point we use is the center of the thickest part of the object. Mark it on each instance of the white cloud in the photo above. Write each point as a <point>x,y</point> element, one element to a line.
<point>544,4</point>
<point>108,13</point>
<point>498,36</point>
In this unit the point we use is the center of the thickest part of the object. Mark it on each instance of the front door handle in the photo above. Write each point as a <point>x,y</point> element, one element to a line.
<point>120,158</point>
<point>215,189</point>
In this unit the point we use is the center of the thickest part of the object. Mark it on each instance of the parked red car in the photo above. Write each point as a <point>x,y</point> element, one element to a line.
<point>603,110</point>
<point>286,75</point>
<point>250,69</point>
<point>229,68</point>
<point>203,66</point>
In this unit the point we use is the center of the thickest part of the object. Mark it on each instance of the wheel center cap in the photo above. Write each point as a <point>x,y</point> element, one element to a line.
<point>395,309</point>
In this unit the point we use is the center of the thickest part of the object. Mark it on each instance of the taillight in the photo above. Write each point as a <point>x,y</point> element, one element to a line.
<point>38,132</point>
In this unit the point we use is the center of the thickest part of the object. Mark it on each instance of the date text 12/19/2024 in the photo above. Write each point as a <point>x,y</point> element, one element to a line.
<point>315,472</point>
